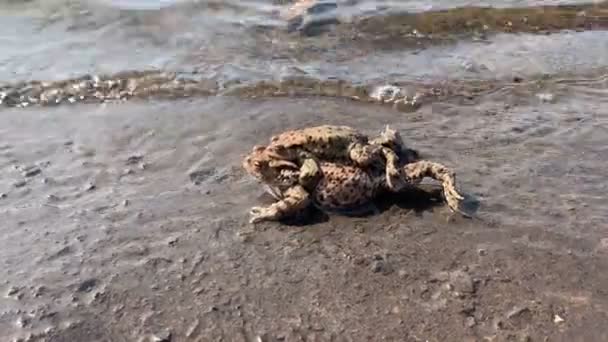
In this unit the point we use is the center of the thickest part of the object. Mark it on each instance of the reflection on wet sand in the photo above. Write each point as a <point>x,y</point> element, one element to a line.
<point>128,222</point>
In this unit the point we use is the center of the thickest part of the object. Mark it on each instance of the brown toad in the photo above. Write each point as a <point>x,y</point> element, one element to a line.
<point>341,186</point>
<point>339,144</point>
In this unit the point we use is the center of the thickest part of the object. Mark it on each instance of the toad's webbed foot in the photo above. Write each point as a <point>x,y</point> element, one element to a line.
<point>294,199</point>
<point>416,171</point>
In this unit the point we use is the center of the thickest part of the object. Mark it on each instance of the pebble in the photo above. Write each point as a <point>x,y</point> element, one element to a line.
<point>462,282</point>
<point>516,311</point>
<point>197,177</point>
<point>52,198</point>
<point>2,195</point>
<point>379,265</point>
<point>87,285</point>
<point>172,241</point>
<point>498,324</point>
<point>31,172</point>
<point>386,93</point>
<point>22,322</point>
<point>470,321</point>
<point>13,292</point>
<point>19,184</point>
<point>163,336</point>
<point>134,159</point>
<point>545,97</point>
<point>558,319</point>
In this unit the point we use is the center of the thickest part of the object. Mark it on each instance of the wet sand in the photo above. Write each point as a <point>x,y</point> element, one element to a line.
<point>137,223</point>
<point>125,207</point>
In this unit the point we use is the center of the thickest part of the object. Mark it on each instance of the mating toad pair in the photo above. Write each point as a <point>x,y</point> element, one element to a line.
<point>338,167</point>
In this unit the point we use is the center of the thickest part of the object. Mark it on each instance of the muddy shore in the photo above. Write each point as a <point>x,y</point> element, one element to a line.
<point>119,242</point>
<point>125,211</point>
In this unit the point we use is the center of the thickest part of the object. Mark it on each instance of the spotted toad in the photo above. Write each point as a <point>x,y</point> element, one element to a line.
<point>341,186</point>
<point>340,144</point>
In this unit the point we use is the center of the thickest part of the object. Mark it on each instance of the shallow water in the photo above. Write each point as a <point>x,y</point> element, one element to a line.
<point>125,205</point>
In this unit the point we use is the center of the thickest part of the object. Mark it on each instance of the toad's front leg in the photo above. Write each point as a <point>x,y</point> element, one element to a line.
<point>310,171</point>
<point>294,199</point>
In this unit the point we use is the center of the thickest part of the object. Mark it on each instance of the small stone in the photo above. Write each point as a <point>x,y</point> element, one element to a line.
<point>19,184</point>
<point>516,311</point>
<point>405,105</point>
<point>545,97</point>
<point>163,336</point>
<point>87,285</point>
<point>125,203</point>
<point>14,293</point>
<point>2,195</point>
<point>558,319</point>
<point>199,176</point>
<point>482,252</point>
<point>498,324</point>
<point>31,172</point>
<point>469,322</point>
<point>39,291</point>
<point>468,308</point>
<point>135,159</point>
<point>90,187</point>
<point>379,265</point>
<point>52,198</point>
<point>462,282</point>
<point>22,322</point>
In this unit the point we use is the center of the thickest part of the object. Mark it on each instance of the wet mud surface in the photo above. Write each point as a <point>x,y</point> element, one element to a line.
<point>133,225</point>
<point>125,207</point>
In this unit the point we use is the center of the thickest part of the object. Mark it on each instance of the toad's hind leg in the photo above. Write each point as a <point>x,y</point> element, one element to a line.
<point>416,171</point>
<point>365,155</point>
<point>295,198</point>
